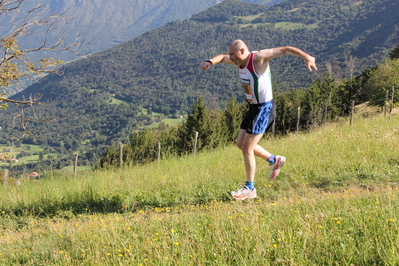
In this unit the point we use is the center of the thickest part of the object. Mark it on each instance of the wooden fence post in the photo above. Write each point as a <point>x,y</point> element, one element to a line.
<point>159,152</point>
<point>393,92</point>
<point>352,109</point>
<point>5,178</point>
<point>120,155</point>
<point>274,127</point>
<point>385,103</point>
<point>299,118</point>
<point>325,113</point>
<point>195,142</point>
<point>75,166</point>
<point>326,109</point>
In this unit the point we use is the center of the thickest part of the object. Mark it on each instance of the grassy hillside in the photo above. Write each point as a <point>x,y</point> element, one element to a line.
<point>335,203</point>
<point>31,153</point>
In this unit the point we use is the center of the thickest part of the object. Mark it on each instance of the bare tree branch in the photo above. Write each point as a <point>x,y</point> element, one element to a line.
<point>14,64</point>
<point>7,6</point>
<point>21,119</point>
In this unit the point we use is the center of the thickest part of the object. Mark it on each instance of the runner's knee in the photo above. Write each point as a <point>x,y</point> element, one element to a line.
<point>239,144</point>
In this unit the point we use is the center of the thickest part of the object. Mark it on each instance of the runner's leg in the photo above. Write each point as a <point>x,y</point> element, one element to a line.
<point>249,144</point>
<point>259,151</point>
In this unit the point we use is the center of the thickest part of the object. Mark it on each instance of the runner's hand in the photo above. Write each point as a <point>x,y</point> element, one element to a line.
<point>311,63</point>
<point>205,65</point>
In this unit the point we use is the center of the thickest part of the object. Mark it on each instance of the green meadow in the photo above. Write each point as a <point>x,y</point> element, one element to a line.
<point>335,202</point>
<point>284,25</point>
<point>33,149</point>
<point>292,26</point>
<point>171,122</point>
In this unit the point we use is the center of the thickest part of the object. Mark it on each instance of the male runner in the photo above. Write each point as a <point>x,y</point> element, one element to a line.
<point>254,71</point>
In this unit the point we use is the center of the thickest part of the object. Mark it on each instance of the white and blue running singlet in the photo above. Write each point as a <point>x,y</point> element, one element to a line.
<point>258,88</point>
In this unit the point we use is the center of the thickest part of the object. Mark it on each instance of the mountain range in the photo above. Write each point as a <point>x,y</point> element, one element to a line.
<point>100,24</point>
<point>107,92</point>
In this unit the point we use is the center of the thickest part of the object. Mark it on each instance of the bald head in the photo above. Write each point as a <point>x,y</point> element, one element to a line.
<point>237,45</point>
<point>238,53</point>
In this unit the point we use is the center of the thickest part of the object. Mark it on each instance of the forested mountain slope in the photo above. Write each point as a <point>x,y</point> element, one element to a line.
<point>159,70</point>
<point>101,24</point>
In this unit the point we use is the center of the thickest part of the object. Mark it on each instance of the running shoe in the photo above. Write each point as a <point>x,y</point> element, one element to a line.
<point>244,193</point>
<point>275,167</point>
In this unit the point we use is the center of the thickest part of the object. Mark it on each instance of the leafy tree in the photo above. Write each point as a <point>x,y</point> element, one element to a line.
<point>381,80</point>
<point>231,119</point>
<point>167,139</point>
<point>14,64</point>
<point>144,146</point>
<point>287,109</point>
<point>394,54</point>
<point>199,121</point>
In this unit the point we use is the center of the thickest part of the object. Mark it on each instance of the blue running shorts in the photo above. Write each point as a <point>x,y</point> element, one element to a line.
<point>259,118</point>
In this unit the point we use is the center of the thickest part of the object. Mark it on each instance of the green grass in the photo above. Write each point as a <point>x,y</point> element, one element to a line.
<point>284,25</point>
<point>169,121</point>
<point>116,100</point>
<point>28,159</point>
<point>292,26</point>
<point>334,203</point>
<point>78,168</point>
<point>16,151</point>
<point>289,25</point>
<point>250,17</point>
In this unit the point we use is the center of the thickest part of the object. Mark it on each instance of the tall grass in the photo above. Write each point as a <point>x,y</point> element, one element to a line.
<point>334,203</point>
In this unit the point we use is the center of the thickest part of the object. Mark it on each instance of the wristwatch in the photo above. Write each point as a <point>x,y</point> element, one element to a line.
<point>210,61</point>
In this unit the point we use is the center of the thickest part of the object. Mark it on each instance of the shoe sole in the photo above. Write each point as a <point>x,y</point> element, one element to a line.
<point>251,196</point>
<point>280,164</point>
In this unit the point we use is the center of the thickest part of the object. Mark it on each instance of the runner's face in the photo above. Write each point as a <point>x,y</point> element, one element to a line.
<point>235,56</point>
